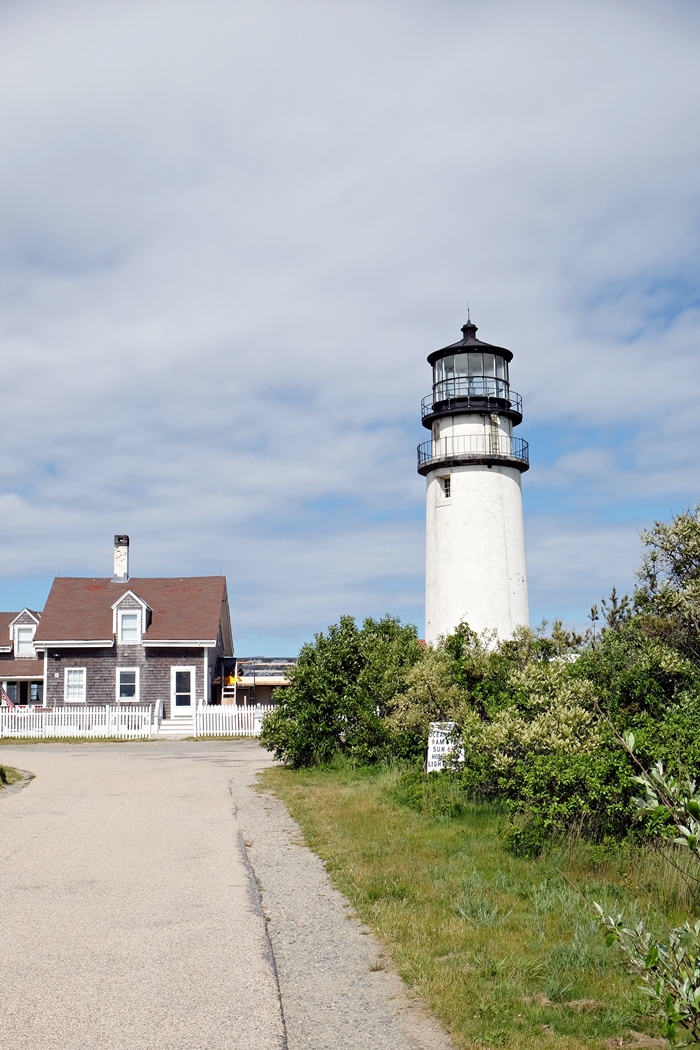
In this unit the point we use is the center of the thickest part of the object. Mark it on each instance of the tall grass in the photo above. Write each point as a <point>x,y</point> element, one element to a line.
<point>504,949</point>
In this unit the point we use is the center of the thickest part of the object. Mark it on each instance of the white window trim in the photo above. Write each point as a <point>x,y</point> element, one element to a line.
<point>65,685</point>
<point>128,699</point>
<point>14,623</point>
<point>24,627</point>
<point>138,613</point>
<point>193,686</point>
<point>143,608</point>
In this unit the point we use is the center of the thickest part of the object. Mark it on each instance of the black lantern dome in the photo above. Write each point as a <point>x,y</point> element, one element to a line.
<point>471,376</point>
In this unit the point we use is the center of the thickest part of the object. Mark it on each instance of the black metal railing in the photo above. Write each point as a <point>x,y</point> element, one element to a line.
<point>476,389</point>
<point>473,446</point>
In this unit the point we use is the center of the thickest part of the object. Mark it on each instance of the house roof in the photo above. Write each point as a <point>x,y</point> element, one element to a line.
<point>184,610</point>
<point>13,669</point>
<point>5,621</point>
<point>32,613</point>
<point>5,638</point>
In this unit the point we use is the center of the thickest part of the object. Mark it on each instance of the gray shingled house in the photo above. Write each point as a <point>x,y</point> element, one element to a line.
<point>138,640</point>
<point>21,673</point>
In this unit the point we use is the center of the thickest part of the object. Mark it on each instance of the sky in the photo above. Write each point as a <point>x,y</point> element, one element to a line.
<point>230,234</point>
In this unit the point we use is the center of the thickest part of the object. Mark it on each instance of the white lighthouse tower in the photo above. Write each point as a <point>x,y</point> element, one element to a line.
<point>475,543</point>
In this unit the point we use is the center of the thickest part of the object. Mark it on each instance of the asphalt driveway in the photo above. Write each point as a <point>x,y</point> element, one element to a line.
<point>152,899</point>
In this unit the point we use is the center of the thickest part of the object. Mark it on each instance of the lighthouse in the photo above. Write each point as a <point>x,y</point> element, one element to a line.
<point>475,541</point>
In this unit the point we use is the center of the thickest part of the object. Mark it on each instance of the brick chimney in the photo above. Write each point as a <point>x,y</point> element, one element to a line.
<point>121,559</point>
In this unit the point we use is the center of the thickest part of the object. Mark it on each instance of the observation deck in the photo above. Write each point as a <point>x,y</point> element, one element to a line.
<point>473,449</point>
<point>471,394</point>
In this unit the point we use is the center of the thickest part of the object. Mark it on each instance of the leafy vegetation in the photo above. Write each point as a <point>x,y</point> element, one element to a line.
<point>539,715</point>
<point>557,731</point>
<point>669,968</point>
<point>340,693</point>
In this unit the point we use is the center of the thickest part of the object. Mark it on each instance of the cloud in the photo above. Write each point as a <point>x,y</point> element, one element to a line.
<point>230,234</point>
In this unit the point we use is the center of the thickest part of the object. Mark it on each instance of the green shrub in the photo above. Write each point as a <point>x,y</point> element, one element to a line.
<point>339,693</point>
<point>588,795</point>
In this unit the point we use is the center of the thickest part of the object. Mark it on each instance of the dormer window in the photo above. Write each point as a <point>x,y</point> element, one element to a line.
<point>131,619</point>
<point>129,628</point>
<point>25,642</point>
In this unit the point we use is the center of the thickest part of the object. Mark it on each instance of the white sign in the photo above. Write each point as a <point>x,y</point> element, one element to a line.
<point>440,746</point>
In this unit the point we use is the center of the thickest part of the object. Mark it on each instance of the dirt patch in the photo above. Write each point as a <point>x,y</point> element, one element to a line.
<point>637,1041</point>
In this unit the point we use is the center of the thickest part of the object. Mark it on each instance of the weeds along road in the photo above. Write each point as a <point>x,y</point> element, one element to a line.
<point>153,899</point>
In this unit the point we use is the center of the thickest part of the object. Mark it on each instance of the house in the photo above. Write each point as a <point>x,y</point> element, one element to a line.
<point>134,640</point>
<point>21,670</point>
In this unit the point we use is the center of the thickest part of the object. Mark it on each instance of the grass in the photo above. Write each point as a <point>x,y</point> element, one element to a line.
<point>503,949</point>
<point>9,775</point>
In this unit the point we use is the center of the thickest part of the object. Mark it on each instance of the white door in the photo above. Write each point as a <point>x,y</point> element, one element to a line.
<point>182,696</point>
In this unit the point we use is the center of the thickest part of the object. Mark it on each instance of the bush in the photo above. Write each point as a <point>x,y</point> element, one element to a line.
<point>529,709</point>
<point>588,795</point>
<point>339,693</point>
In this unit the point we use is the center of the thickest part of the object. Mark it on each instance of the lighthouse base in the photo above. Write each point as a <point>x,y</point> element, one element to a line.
<point>475,551</point>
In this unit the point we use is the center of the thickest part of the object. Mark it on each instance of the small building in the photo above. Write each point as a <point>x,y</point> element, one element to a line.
<point>21,669</point>
<point>251,680</point>
<point>134,640</point>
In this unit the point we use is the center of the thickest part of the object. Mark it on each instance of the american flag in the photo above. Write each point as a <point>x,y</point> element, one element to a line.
<point>4,698</point>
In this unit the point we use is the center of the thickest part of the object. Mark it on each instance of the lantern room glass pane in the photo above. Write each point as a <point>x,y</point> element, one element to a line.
<point>448,364</point>
<point>475,365</point>
<point>500,368</point>
<point>489,365</point>
<point>461,364</point>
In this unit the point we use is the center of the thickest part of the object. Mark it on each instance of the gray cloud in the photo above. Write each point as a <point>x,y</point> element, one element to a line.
<point>231,234</point>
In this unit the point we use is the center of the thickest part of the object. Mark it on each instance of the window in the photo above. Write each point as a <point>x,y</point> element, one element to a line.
<point>74,692</point>
<point>37,693</point>
<point>183,688</point>
<point>128,683</point>
<point>474,363</point>
<point>446,483</point>
<point>12,691</point>
<point>25,643</point>
<point>129,633</point>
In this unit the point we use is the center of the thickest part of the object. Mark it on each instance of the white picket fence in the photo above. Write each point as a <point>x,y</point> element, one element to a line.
<point>120,721</point>
<point>103,720</point>
<point>230,720</point>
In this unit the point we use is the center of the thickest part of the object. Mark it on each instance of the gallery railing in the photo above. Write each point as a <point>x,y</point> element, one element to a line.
<point>473,446</point>
<point>476,391</point>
